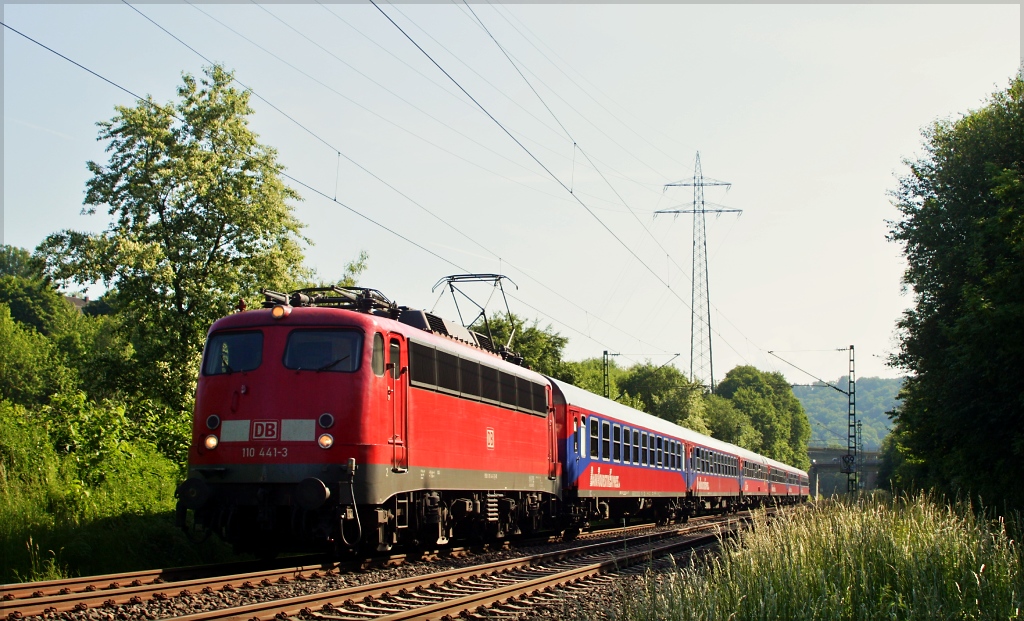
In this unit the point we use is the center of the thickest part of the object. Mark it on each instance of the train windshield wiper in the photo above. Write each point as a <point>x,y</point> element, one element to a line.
<point>331,364</point>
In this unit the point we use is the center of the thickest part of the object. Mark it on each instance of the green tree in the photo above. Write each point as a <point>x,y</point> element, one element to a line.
<point>200,219</point>
<point>768,400</point>
<point>31,370</point>
<point>541,348</point>
<point>588,374</point>
<point>16,261</point>
<point>666,393</point>
<point>962,342</point>
<point>729,424</point>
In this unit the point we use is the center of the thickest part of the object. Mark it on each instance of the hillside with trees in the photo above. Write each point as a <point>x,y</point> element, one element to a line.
<point>828,409</point>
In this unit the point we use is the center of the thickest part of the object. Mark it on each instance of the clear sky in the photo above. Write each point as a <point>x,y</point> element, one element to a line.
<point>808,110</point>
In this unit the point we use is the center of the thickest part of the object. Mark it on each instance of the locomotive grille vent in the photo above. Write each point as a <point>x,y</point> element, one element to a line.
<point>484,341</point>
<point>436,324</point>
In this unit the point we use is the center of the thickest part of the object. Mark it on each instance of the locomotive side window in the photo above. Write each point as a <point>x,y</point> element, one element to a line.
<point>447,372</point>
<point>508,389</point>
<point>605,452</point>
<point>230,352</point>
<point>540,398</point>
<point>593,438</point>
<point>489,384</point>
<point>323,350</point>
<point>524,394</point>
<point>377,359</point>
<point>626,445</point>
<point>422,369</point>
<point>616,443</point>
<point>470,378</point>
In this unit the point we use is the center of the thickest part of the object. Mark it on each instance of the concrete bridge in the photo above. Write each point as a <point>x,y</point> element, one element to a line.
<point>826,470</point>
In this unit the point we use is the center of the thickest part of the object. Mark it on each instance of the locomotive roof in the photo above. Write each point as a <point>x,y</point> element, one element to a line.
<point>327,316</point>
<point>599,405</point>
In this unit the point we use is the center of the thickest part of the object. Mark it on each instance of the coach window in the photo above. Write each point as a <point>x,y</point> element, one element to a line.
<point>616,443</point>
<point>661,454</point>
<point>636,446</point>
<point>576,435</point>
<point>679,455</point>
<point>605,452</point>
<point>594,446</point>
<point>625,445</point>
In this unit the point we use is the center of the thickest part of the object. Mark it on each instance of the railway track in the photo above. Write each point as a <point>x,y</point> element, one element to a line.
<point>233,596</point>
<point>83,593</point>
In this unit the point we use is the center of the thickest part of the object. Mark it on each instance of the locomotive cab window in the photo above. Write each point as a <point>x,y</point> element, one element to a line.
<point>323,350</point>
<point>377,358</point>
<point>231,352</point>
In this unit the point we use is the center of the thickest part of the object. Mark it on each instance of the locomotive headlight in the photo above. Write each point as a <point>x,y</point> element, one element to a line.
<point>211,442</point>
<point>325,440</point>
<point>280,311</point>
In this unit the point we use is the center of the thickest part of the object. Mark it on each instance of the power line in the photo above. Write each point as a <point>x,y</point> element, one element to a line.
<point>319,192</point>
<point>523,147</point>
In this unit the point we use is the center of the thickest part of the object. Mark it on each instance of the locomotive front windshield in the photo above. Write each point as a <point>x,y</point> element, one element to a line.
<point>231,352</point>
<point>323,350</point>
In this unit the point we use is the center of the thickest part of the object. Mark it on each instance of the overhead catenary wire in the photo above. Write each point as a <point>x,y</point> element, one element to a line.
<point>593,166</point>
<point>324,195</point>
<point>521,145</point>
<point>364,169</point>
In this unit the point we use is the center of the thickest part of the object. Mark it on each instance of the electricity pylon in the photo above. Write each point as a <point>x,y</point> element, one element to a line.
<point>701,366</point>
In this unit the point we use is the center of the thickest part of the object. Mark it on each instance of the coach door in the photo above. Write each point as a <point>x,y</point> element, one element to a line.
<point>552,446</point>
<point>397,380</point>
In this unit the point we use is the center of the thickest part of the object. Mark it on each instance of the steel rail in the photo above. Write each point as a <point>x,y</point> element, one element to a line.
<point>331,600</point>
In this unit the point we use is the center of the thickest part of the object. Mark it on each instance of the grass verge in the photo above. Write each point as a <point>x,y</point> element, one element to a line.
<point>864,559</point>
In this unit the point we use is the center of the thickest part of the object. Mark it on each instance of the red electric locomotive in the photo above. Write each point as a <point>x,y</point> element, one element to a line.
<point>333,419</point>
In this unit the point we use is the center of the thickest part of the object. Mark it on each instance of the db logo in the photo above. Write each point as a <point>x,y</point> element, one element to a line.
<point>265,429</point>
<point>490,438</point>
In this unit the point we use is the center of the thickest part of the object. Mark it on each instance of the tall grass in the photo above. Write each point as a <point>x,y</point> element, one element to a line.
<point>865,559</point>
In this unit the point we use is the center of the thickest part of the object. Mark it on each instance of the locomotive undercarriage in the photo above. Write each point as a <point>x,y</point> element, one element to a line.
<point>435,517</point>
